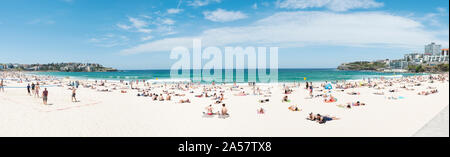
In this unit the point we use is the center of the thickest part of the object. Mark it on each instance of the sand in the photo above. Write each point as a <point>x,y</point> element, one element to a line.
<point>106,114</point>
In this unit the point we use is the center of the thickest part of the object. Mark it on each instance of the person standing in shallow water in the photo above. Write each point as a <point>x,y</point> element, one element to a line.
<point>45,96</point>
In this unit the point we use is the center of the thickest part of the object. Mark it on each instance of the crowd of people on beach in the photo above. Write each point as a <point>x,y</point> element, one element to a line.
<point>215,94</point>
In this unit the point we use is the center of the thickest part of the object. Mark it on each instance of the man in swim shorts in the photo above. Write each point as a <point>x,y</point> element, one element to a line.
<point>74,94</point>
<point>45,96</point>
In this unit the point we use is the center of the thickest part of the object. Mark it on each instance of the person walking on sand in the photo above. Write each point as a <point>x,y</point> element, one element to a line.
<point>28,89</point>
<point>74,94</point>
<point>45,96</point>
<point>33,88</point>
<point>37,90</point>
<point>2,88</point>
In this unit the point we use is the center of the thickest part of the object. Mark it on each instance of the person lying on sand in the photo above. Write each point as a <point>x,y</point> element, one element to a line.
<point>324,119</point>
<point>185,101</point>
<point>379,93</point>
<point>353,93</point>
<point>344,106</point>
<point>356,104</point>
<point>294,108</point>
<point>241,94</point>
<point>264,101</point>
<point>330,99</point>
<point>312,117</point>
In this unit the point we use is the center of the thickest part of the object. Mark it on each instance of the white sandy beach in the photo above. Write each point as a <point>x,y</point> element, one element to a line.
<point>114,113</point>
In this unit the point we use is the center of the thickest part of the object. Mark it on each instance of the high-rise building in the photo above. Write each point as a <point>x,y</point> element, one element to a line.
<point>433,49</point>
<point>444,52</point>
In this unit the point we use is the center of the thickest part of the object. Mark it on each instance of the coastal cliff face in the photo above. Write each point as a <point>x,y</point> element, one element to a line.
<point>364,65</point>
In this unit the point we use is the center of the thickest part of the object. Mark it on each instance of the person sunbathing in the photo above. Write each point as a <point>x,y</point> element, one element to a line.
<point>356,104</point>
<point>353,93</point>
<point>330,99</point>
<point>379,93</point>
<point>344,106</point>
<point>324,119</point>
<point>185,101</point>
<point>294,108</point>
<point>312,117</point>
<point>264,101</point>
<point>199,96</point>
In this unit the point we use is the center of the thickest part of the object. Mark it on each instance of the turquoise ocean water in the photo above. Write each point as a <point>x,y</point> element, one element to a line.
<point>284,75</point>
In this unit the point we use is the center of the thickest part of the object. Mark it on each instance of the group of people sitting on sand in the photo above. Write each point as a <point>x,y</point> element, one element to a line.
<point>223,113</point>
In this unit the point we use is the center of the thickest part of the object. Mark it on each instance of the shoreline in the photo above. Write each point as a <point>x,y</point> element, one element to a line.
<point>184,80</point>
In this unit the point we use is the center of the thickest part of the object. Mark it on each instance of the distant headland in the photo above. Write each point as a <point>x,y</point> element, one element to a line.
<point>56,67</point>
<point>432,60</point>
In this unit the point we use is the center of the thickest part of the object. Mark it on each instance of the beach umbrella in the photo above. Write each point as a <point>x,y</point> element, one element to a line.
<point>328,86</point>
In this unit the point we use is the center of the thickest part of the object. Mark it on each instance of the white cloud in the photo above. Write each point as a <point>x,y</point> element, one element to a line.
<point>146,38</point>
<point>297,29</point>
<point>137,22</point>
<point>221,15</point>
<point>137,25</point>
<point>122,26</point>
<point>174,11</point>
<point>168,21</point>
<point>200,3</point>
<point>335,5</point>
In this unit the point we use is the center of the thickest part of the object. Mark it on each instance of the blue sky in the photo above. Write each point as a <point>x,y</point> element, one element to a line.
<point>138,34</point>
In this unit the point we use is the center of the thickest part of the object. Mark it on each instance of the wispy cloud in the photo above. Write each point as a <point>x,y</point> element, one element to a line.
<point>136,25</point>
<point>297,29</point>
<point>200,3</point>
<point>221,15</point>
<point>334,5</point>
<point>146,38</point>
<point>174,11</point>
<point>109,40</point>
